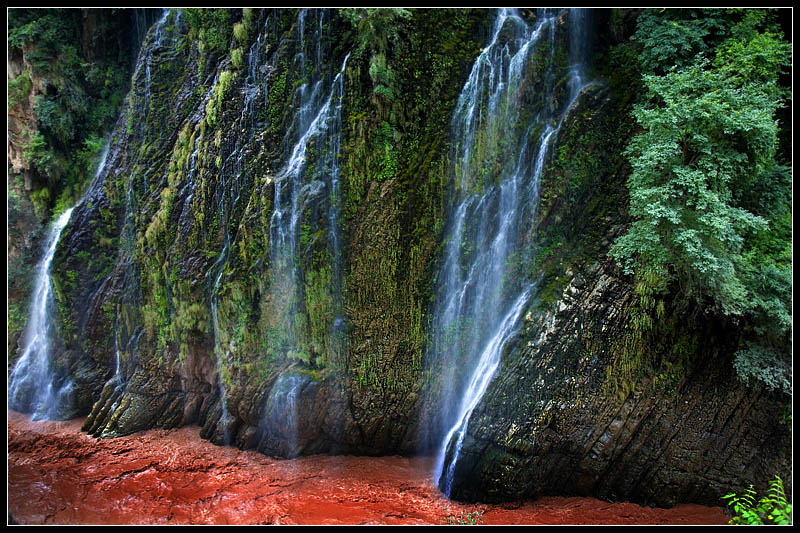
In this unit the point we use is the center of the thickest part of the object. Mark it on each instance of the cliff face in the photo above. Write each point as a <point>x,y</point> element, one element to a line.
<point>189,284</point>
<point>259,254</point>
<point>660,420</point>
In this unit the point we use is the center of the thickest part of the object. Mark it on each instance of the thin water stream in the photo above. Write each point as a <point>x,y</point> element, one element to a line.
<point>316,133</point>
<point>32,384</point>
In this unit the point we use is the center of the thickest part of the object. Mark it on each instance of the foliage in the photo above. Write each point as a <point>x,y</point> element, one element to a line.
<point>19,88</point>
<point>240,32</point>
<point>376,28</point>
<point>758,363</point>
<point>710,202</point>
<point>213,27</point>
<point>382,76</point>
<point>214,104</point>
<point>82,89</point>
<point>772,509</point>
<point>237,57</point>
<point>673,38</point>
<point>708,139</point>
<point>470,518</point>
<point>378,31</point>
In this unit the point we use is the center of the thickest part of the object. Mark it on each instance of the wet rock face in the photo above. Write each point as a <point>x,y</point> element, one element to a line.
<point>569,435</point>
<point>558,419</point>
<point>188,191</point>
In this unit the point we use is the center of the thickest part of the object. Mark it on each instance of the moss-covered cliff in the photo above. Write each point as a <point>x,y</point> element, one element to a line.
<point>68,72</point>
<point>259,256</point>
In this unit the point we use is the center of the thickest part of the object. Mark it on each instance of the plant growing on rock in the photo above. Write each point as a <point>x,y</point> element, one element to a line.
<point>709,196</point>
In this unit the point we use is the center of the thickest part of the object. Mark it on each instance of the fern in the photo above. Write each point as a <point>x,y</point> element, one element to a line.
<point>771,509</point>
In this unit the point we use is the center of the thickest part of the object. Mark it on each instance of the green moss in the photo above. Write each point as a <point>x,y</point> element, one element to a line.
<point>213,28</point>
<point>214,104</point>
<point>17,316</point>
<point>237,58</point>
<point>277,100</point>
<point>319,304</point>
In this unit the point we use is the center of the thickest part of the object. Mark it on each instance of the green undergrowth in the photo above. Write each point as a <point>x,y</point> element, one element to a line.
<point>772,509</point>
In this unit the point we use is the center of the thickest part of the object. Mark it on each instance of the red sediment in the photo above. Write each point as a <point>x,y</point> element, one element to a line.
<point>58,475</point>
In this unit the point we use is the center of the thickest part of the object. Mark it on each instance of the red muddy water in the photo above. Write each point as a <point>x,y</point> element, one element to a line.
<point>58,475</point>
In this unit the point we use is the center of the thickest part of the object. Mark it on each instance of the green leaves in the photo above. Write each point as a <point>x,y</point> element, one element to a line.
<point>470,518</point>
<point>771,509</point>
<point>77,92</point>
<point>376,28</point>
<point>702,137</point>
<point>673,38</point>
<point>212,26</point>
<point>710,205</point>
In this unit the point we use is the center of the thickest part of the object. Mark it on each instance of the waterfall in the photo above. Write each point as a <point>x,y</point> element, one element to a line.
<point>34,385</point>
<point>163,37</point>
<point>282,413</point>
<point>223,373</point>
<point>308,178</point>
<point>488,362</point>
<point>143,19</point>
<point>158,37</point>
<point>498,163</point>
<point>318,117</point>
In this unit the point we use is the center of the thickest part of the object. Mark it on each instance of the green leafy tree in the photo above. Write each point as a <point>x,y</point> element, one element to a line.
<point>705,139</point>
<point>673,38</point>
<point>711,206</point>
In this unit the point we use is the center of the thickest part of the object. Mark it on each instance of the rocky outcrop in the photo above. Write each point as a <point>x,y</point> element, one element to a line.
<point>694,436</point>
<point>578,407</point>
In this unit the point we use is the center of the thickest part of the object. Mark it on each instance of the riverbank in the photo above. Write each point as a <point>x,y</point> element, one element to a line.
<point>59,475</point>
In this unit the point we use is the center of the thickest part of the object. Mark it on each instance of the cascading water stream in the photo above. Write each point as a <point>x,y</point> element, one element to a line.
<point>488,362</point>
<point>33,383</point>
<point>317,123</point>
<point>322,119</point>
<point>478,305</point>
<point>124,340</point>
<point>159,36</point>
<point>281,413</point>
